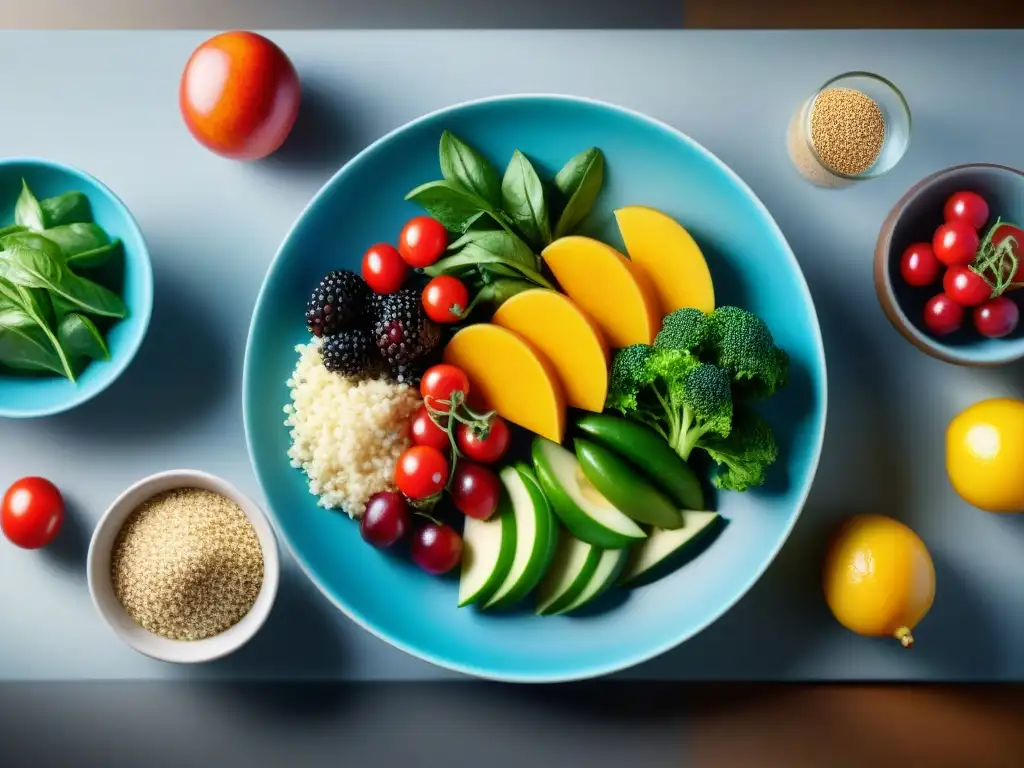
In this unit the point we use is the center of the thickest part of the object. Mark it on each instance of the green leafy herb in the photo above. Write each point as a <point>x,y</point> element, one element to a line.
<point>31,260</point>
<point>74,239</point>
<point>522,198</point>
<point>27,211</point>
<point>95,258</point>
<point>69,208</point>
<point>80,337</point>
<point>456,208</point>
<point>578,184</point>
<point>10,230</point>
<point>26,341</point>
<point>496,292</point>
<point>498,242</point>
<point>464,166</point>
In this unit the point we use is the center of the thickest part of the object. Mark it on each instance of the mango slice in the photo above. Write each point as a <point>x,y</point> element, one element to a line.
<point>669,256</point>
<point>603,283</point>
<point>508,374</point>
<point>568,337</point>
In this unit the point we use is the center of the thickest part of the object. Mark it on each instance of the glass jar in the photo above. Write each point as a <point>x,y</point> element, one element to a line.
<point>855,127</point>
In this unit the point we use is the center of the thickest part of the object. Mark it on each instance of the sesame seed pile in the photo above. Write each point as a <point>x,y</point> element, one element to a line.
<point>847,130</point>
<point>187,564</point>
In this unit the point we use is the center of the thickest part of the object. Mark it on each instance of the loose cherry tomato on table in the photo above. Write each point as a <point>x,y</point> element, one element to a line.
<point>997,318</point>
<point>421,472</point>
<point>438,383</point>
<point>942,315</point>
<point>955,243</point>
<point>965,286</point>
<point>32,512</point>
<point>422,241</point>
<point>445,299</point>
<point>486,447</point>
<point>384,270</point>
<point>239,95</point>
<point>437,548</point>
<point>967,207</point>
<point>425,432</point>
<point>918,265</point>
<point>476,490</point>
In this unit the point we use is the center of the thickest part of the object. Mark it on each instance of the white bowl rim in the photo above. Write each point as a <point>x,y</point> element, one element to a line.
<point>604,668</point>
<point>137,637</point>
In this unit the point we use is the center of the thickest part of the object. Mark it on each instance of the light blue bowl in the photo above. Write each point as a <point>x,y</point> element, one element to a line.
<point>647,163</point>
<point>35,396</point>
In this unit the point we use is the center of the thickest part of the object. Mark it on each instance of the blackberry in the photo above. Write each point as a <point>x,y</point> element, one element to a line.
<point>349,353</point>
<point>402,331</point>
<point>338,304</point>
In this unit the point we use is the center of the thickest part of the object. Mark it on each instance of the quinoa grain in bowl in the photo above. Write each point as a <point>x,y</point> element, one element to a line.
<point>346,433</point>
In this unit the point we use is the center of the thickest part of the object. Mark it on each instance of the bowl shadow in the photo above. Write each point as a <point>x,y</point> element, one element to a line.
<point>181,372</point>
<point>69,551</point>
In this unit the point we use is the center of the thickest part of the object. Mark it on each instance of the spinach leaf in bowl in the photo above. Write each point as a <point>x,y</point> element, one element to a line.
<point>26,341</point>
<point>578,185</point>
<point>522,198</point>
<point>80,337</point>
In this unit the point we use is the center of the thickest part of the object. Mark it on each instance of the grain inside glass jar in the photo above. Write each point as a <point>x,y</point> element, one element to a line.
<point>837,136</point>
<point>187,564</point>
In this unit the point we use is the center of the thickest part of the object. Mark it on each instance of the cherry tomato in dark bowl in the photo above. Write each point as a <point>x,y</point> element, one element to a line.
<point>918,266</point>
<point>968,207</point>
<point>965,286</point>
<point>32,512</point>
<point>955,243</point>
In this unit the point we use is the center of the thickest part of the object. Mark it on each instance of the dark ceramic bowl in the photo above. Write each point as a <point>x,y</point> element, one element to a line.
<point>914,219</point>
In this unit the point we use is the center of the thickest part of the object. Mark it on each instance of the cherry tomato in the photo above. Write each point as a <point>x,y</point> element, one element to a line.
<point>942,315</point>
<point>32,512</point>
<point>445,299</point>
<point>384,270</point>
<point>425,432</point>
<point>385,520</point>
<point>476,490</point>
<point>997,318</point>
<point>422,241</point>
<point>486,447</point>
<point>421,472</point>
<point>437,548</point>
<point>955,243</point>
<point>918,265</point>
<point>967,207</point>
<point>239,95</point>
<point>966,287</point>
<point>438,383</point>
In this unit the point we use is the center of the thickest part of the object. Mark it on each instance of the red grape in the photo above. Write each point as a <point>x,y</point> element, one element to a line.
<point>437,548</point>
<point>476,490</point>
<point>385,520</point>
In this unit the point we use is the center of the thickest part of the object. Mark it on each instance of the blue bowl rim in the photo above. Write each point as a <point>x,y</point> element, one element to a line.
<point>596,670</point>
<point>121,363</point>
<point>884,255</point>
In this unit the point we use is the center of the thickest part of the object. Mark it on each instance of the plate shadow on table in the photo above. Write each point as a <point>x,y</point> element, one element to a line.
<point>181,372</point>
<point>322,139</point>
<point>70,549</point>
<point>303,638</point>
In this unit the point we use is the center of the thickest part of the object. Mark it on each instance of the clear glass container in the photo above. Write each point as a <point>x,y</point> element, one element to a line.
<point>836,139</point>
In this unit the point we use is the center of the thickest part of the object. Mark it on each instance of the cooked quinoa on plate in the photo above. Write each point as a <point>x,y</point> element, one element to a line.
<point>346,434</point>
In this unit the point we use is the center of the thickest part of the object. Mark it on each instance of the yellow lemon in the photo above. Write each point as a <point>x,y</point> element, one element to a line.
<point>878,578</point>
<point>985,454</point>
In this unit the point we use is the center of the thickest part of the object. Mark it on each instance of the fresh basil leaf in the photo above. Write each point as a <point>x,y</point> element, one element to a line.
<point>61,307</point>
<point>578,184</point>
<point>69,208</point>
<point>27,211</point>
<point>24,346</point>
<point>23,312</point>
<point>32,261</point>
<point>450,204</point>
<point>10,230</point>
<point>497,292</point>
<point>77,238</point>
<point>499,243</point>
<point>472,256</point>
<point>80,337</point>
<point>463,165</point>
<point>95,258</point>
<point>522,198</point>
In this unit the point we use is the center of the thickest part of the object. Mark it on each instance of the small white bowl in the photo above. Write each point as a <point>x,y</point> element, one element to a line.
<point>142,640</point>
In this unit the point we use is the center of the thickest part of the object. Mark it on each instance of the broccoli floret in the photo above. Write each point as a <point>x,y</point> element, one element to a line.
<point>673,392</point>
<point>745,455</point>
<point>685,330</point>
<point>741,343</point>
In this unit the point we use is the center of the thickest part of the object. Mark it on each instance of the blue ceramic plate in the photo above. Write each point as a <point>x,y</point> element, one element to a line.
<point>131,277</point>
<point>648,163</point>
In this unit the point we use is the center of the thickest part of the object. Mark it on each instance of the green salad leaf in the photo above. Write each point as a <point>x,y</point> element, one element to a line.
<point>464,166</point>
<point>26,341</point>
<point>80,337</point>
<point>522,199</point>
<point>28,214</point>
<point>69,208</point>
<point>578,184</point>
